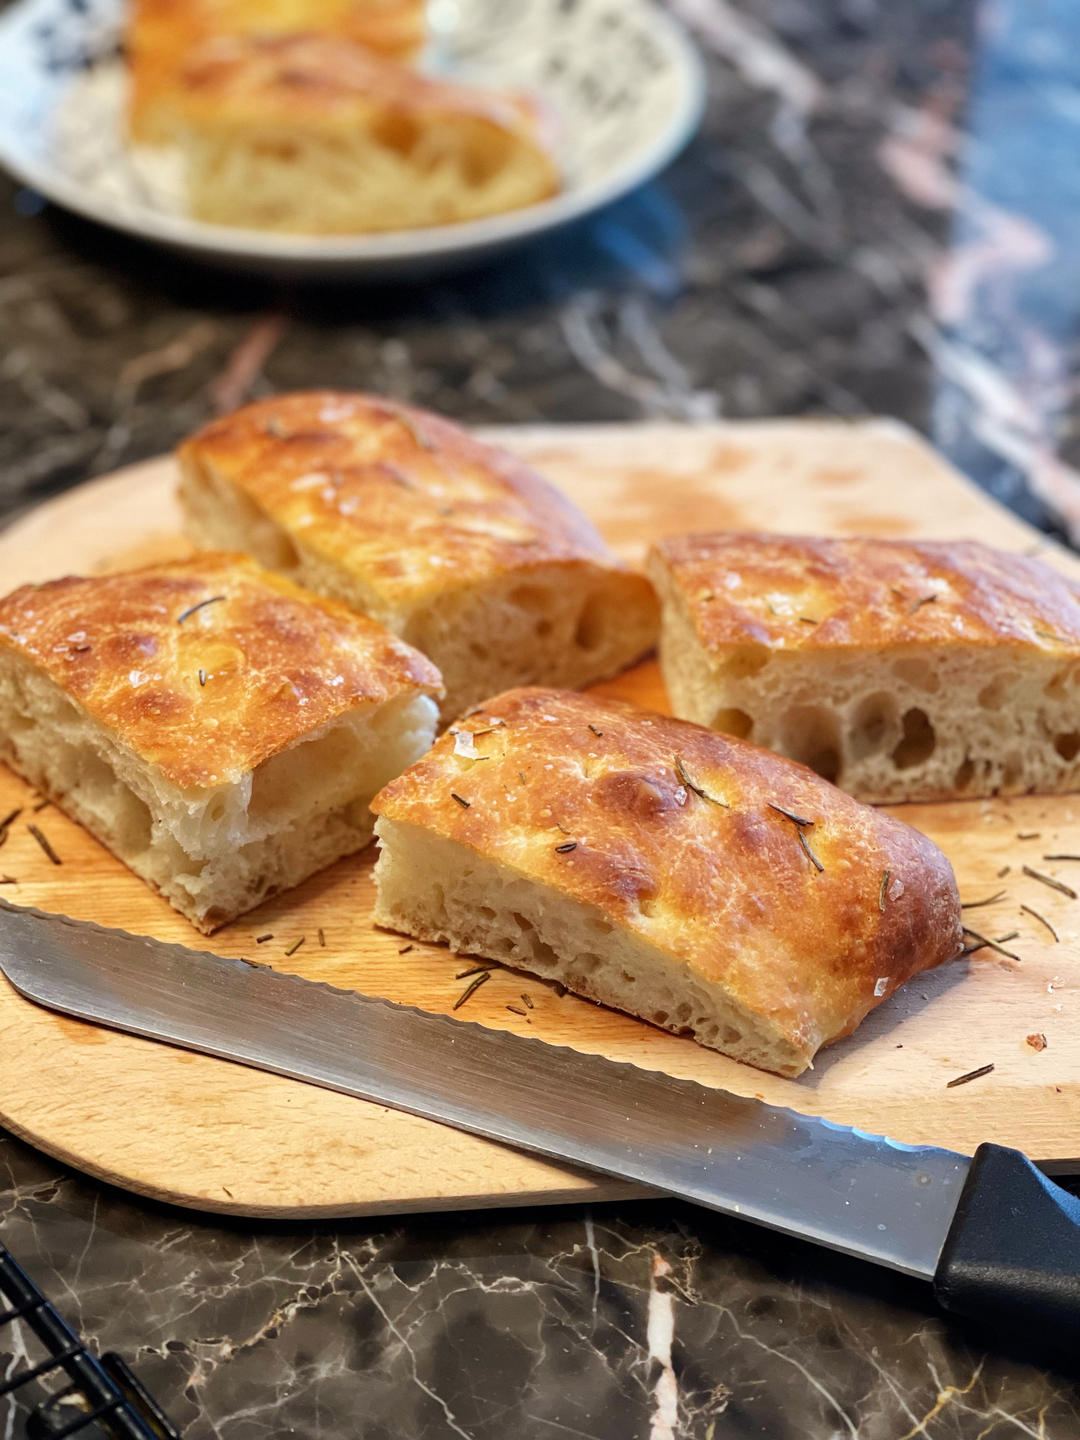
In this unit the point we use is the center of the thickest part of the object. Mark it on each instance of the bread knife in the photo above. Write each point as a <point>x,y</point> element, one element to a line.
<point>995,1238</point>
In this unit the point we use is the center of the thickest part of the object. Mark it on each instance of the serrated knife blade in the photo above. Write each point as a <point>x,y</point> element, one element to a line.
<point>854,1192</point>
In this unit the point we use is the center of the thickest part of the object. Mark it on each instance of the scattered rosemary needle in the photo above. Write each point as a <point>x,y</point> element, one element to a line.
<point>202,677</point>
<point>818,866</point>
<point>405,949</point>
<point>565,848</point>
<point>471,989</point>
<point>703,794</point>
<point>8,880</point>
<point>460,800</point>
<point>42,804</point>
<point>799,820</point>
<point>1045,857</point>
<point>400,478</point>
<point>801,825</point>
<point>971,1075</point>
<point>985,940</point>
<point>560,826</point>
<point>417,434</point>
<point>975,904</point>
<point>1049,880</point>
<point>186,614</point>
<point>1042,921</point>
<point>808,620</point>
<point>1004,939</point>
<point>476,970</point>
<point>1029,834</point>
<point>1006,868</point>
<point>526,1001</point>
<point>521,776</point>
<point>43,841</point>
<point>295,946</point>
<point>262,939</point>
<point>921,601</point>
<point>322,937</point>
<point>886,876</point>
<point>598,733</point>
<point>10,819</point>
<point>517,1010</point>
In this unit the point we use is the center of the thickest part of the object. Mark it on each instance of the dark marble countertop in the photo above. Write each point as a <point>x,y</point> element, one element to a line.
<point>879,216</point>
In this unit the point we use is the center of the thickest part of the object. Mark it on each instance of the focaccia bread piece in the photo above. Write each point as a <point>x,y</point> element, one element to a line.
<point>456,546</point>
<point>901,670</point>
<point>303,134</point>
<point>221,731</point>
<point>162,33</point>
<point>694,880</point>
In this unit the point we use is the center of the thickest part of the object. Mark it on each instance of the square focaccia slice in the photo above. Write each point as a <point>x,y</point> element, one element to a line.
<point>311,135</point>
<point>161,34</point>
<point>221,731</point>
<point>901,670</point>
<point>693,880</point>
<point>456,546</point>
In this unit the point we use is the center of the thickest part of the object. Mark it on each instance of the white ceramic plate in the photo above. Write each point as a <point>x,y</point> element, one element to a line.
<point>625,82</point>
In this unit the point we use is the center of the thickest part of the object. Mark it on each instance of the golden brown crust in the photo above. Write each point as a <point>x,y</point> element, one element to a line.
<point>610,818</point>
<point>162,33</point>
<point>796,593</point>
<point>310,77</point>
<point>276,663</point>
<point>407,503</point>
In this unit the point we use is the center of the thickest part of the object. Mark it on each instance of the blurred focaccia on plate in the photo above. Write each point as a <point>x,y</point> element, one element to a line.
<point>162,33</point>
<point>308,134</point>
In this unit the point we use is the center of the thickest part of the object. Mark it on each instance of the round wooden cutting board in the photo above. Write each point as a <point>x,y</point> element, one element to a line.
<point>207,1133</point>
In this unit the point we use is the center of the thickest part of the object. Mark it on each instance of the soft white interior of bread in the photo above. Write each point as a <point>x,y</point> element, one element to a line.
<point>394,174</point>
<point>552,625</point>
<point>219,516</point>
<point>902,723</point>
<point>436,889</point>
<point>213,853</point>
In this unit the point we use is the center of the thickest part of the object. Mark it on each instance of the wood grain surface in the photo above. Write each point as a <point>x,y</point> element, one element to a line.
<point>206,1133</point>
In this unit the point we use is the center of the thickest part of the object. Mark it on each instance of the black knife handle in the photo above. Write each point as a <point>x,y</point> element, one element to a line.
<point>1012,1254</point>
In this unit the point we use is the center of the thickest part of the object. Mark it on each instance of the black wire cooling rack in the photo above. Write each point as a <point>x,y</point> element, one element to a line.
<point>102,1397</point>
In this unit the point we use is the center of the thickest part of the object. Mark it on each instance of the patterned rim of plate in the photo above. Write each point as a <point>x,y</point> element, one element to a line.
<point>683,113</point>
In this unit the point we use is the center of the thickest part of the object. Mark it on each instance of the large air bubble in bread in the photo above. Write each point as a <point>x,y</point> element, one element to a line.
<point>817,650</point>
<point>213,853</point>
<point>929,729</point>
<point>220,730</point>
